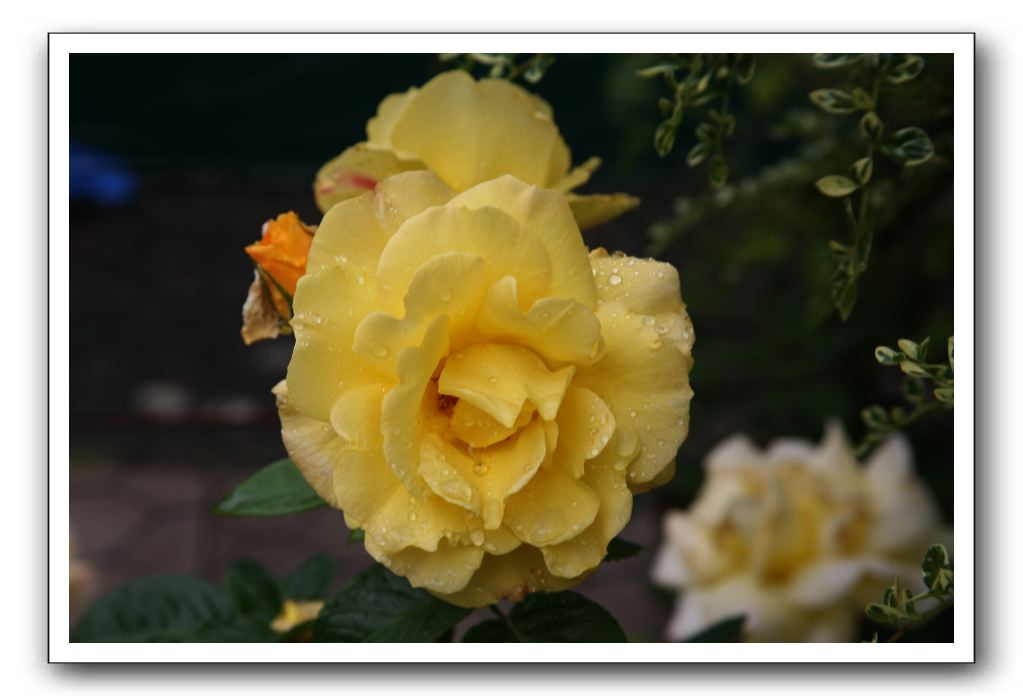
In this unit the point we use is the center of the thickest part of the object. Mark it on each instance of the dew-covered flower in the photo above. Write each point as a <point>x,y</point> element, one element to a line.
<point>797,538</point>
<point>476,390</point>
<point>467,132</point>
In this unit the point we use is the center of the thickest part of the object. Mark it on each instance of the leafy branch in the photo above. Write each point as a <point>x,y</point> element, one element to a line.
<point>928,387</point>
<point>899,610</point>
<point>504,65</point>
<point>695,80</point>
<point>908,147</point>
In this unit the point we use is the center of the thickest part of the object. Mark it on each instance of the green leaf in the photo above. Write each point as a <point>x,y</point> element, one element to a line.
<point>160,608</point>
<point>922,348</point>
<point>835,60</point>
<point>944,395</point>
<point>836,186</point>
<point>619,549</point>
<point>561,617</point>
<point>356,536</point>
<point>705,133</point>
<point>698,153</point>
<point>726,631</point>
<point>834,101</point>
<point>236,629</point>
<point>937,569</point>
<point>874,416</point>
<point>744,72</point>
<point>884,614</point>
<point>535,72</point>
<point>664,137</point>
<point>863,101</point>
<point>718,173</point>
<point>909,347</point>
<point>838,248</point>
<point>655,70</point>
<point>311,580</point>
<point>843,294</point>
<point>909,146</point>
<point>887,356</point>
<point>913,368</point>
<point>276,489</point>
<point>379,606</point>
<point>871,126</point>
<point>862,170</point>
<point>904,70</point>
<point>898,596</point>
<point>253,590</point>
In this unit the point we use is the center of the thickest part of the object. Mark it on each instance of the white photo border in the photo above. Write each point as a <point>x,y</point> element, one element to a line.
<point>62,45</point>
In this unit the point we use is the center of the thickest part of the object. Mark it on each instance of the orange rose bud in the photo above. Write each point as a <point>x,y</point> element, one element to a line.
<point>283,250</point>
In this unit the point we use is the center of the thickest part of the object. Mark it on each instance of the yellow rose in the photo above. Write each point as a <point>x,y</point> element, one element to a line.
<point>475,390</point>
<point>466,132</point>
<point>798,539</point>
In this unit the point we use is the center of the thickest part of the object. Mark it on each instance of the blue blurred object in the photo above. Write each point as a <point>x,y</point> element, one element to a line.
<point>98,178</point>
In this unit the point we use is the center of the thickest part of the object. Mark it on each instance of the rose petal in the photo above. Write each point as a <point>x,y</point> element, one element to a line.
<point>504,244</point>
<point>498,379</point>
<point>469,131</point>
<point>552,508</point>
<point>357,170</point>
<point>548,216</point>
<point>560,330</point>
<point>596,209</point>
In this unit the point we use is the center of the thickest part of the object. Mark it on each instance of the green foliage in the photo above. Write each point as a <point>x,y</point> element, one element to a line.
<point>253,590</point>
<point>311,580</point>
<point>836,186</point>
<point>180,608</point>
<point>725,631</point>
<point>504,65</point>
<point>899,607</point>
<point>562,617</point>
<point>276,489</point>
<point>937,570</point>
<point>908,147</point>
<point>928,387</point>
<point>157,609</point>
<point>379,606</point>
<point>697,80</point>
<point>620,549</point>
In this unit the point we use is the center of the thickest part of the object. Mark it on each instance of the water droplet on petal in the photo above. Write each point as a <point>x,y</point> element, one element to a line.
<point>614,279</point>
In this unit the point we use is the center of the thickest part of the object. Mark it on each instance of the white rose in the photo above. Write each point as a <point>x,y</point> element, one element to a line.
<point>797,538</point>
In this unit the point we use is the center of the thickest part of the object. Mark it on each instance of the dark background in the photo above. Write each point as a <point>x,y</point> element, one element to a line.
<point>185,156</point>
